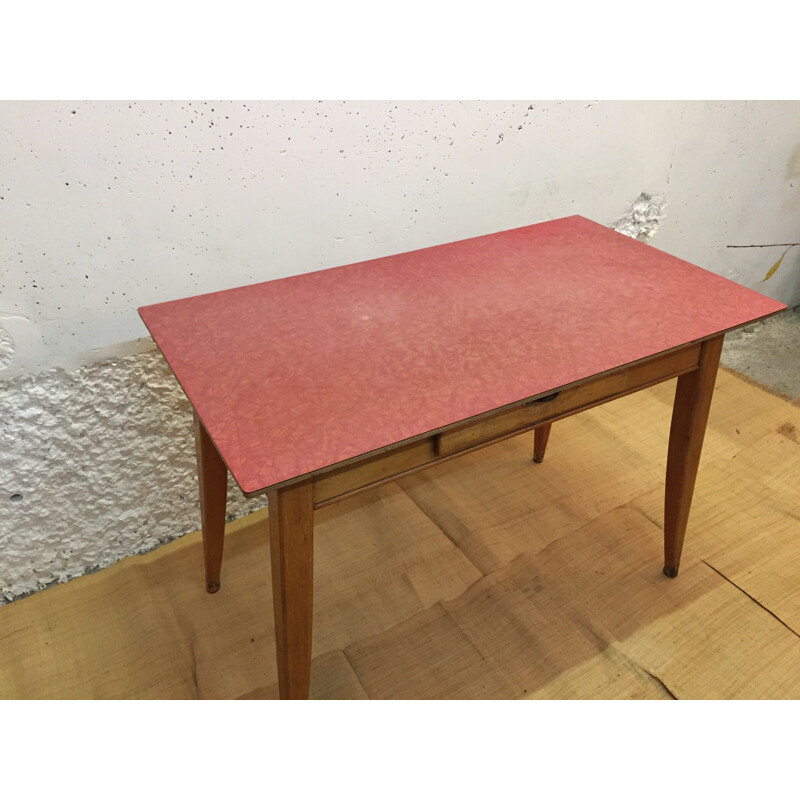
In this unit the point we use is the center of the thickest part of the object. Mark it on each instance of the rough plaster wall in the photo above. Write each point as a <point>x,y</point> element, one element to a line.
<point>109,206</point>
<point>95,464</point>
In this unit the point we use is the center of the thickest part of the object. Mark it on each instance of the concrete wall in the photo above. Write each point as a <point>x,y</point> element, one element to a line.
<point>108,206</point>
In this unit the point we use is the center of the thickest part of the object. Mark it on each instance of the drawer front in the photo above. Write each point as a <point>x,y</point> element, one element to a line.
<point>569,401</point>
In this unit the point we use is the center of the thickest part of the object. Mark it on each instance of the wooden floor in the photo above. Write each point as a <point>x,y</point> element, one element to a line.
<point>486,577</point>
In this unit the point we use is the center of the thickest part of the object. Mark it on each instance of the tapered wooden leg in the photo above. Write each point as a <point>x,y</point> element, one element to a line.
<point>291,539</point>
<point>540,437</point>
<point>212,475</point>
<point>689,417</point>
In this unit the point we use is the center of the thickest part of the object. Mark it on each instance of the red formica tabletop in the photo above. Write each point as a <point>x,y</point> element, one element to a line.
<point>294,375</point>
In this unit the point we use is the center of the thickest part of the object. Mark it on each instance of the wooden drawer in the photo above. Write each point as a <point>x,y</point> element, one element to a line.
<point>574,398</point>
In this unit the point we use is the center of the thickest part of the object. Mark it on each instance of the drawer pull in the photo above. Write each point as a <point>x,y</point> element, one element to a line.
<point>546,399</point>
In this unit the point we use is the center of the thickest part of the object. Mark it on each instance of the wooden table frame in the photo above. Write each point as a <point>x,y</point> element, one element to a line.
<point>292,504</point>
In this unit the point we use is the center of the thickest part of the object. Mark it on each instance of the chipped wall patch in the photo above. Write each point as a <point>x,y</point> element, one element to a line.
<point>642,219</point>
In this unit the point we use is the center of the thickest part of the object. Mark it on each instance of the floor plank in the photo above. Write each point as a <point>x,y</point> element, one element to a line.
<point>487,577</point>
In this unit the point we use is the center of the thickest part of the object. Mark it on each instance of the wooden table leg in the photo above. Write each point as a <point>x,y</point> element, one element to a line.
<point>291,539</point>
<point>212,475</point>
<point>689,417</point>
<point>540,437</point>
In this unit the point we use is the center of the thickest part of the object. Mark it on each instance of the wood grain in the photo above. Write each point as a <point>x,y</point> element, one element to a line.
<point>689,417</point>
<point>540,436</point>
<point>212,477</point>
<point>291,538</point>
<point>576,398</point>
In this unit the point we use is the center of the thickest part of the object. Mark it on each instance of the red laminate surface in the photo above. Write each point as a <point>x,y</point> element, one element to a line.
<point>293,375</point>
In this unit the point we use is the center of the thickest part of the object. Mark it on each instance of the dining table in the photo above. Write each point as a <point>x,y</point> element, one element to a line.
<point>314,386</point>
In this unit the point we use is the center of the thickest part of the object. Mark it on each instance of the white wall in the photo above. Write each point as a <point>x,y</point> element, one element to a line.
<point>108,206</point>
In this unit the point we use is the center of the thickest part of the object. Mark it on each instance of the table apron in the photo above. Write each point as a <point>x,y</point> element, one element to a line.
<point>495,426</point>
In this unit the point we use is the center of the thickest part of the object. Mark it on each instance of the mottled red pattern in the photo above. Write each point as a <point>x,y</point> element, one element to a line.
<point>295,374</point>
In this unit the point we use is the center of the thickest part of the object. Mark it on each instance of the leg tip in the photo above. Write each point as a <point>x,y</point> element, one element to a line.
<point>671,572</point>
<point>538,460</point>
<point>212,586</point>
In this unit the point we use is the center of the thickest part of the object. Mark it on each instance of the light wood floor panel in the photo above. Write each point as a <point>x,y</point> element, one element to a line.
<point>486,577</point>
